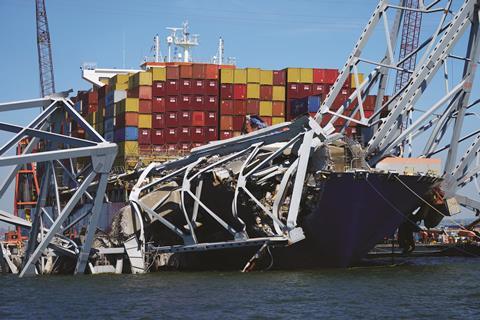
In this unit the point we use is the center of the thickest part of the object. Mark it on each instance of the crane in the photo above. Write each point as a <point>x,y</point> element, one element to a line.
<point>45,63</point>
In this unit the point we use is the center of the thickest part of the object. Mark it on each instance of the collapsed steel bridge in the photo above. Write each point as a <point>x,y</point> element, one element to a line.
<point>438,99</point>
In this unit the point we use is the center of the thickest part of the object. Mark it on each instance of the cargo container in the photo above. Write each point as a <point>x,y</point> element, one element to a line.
<point>158,104</point>
<point>145,106</point>
<point>211,119</point>
<point>266,92</point>
<point>144,136</point>
<point>171,119</point>
<point>226,76</point>
<point>173,73</point>
<point>240,76</point>
<point>226,123</point>
<point>253,75</point>
<point>145,121</point>
<point>158,137</point>
<point>158,120</point>
<point>266,77</point>
<point>198,119</point>
<point>126,134</point>
<point>239,107</point>
<point>253,91</point>
<point>126,119</point>
<point>159,74</point>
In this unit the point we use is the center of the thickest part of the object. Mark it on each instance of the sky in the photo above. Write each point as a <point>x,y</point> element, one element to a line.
<point>270,34</point>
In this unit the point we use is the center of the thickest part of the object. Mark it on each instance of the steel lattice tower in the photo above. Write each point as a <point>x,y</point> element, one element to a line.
<point>45,63</point>
<point>412,22</point>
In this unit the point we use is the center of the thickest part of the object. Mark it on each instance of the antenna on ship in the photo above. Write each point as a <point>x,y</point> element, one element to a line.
<point>170,41</point>
<point>220,51</point>
<point>187,42</point>
<point>158,53</point>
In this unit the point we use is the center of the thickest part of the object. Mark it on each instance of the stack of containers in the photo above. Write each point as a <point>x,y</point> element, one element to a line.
<point>118,86</point>
<point>250,91</point>
<point>185,106</point>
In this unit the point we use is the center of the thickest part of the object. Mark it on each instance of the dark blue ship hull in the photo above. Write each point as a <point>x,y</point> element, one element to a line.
<point>354,213</point>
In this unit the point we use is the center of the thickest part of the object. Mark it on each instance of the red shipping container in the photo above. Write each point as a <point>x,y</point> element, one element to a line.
<point>198,86</point>
<point>211,119</point>
<point>211,134</point>
<point>184,134</point>
<point>158,104</point>
<point>226,123</point>
<point>145,106</point>
<point>304,90</point>
<point>198,118</point>
<point>171,119</point>
<point>141,92</point>
<point>158,88</point>
<point>253,106</point>
<point>293,91</point>
<point>239,107</point>
<point>196,145</point>
<point>144,136</point>
<point>158,137</point>
<point>226,91</point>
<point>198,71</point>
<point>186,86</point>
<point>267,120</point>
<point>171,135</point>
<point>198,102</point>
<point>266,92</point>
<point>325,76</point>
<point>211,103</point>
<point>158,120</point>
<point>279,77</point>
<point>211,71</point>
<point>239,91</point>
<point>173,72</point>
<point>185,103</point>
<point>171,103</point>
<point>186,71</point>
<point>211,87</point>
<point>278,109</point>
<point>226,107</point>
<point>92,108</point>
<point>224,135</point>
<point>172,87</point>
<point>171,147</point>
<point>184,146</point>
<point>199,134</point>
<point>320,89</point>
<point>238,123</point>
<point>185,118</point>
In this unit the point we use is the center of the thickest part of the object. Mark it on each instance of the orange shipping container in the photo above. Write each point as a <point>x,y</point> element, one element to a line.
<point>278,109</point>
<point>186,71</point>
<point>211,72</point>
<point>226,123</point>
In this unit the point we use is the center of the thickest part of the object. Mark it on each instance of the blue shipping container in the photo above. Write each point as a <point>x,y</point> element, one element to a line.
<point>303,106</point>
<point>126,134</point>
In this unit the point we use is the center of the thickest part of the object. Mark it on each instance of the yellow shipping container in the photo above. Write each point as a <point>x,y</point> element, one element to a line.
<point>293,75</point>
<point>360,80</point>
<point>278,93</point>
<point>306,75</point>
<point>266,77</point>
<point>119,79</point>
<point>127,148</point>
<point>226,75</point>
<point>119,86</point>
<point>266,108</point>
<point>253,75</point>
<point>277,120</point>
<point>240,76</point>
<point>127,105</point>
<point>253,91</point>
<point>159,74</point>
<point>145,121</point>
<point>141,78</point>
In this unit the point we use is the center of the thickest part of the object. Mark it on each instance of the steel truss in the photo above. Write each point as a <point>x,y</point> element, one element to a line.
<point>188,172</point>
<point>306,135</point>
<point>438,128</point>
<point>55,215</point>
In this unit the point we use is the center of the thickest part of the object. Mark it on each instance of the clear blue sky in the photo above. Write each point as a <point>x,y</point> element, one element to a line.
<point>270,34</point>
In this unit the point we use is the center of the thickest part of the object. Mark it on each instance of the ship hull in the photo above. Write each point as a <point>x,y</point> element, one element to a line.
<point>354,213</point>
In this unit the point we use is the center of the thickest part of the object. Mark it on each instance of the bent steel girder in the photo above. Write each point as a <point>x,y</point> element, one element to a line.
<point>55,214</point>
<point>451,36</point>
<point>252,157</point>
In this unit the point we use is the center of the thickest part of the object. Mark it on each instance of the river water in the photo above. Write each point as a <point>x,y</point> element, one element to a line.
<point>420,288</point>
